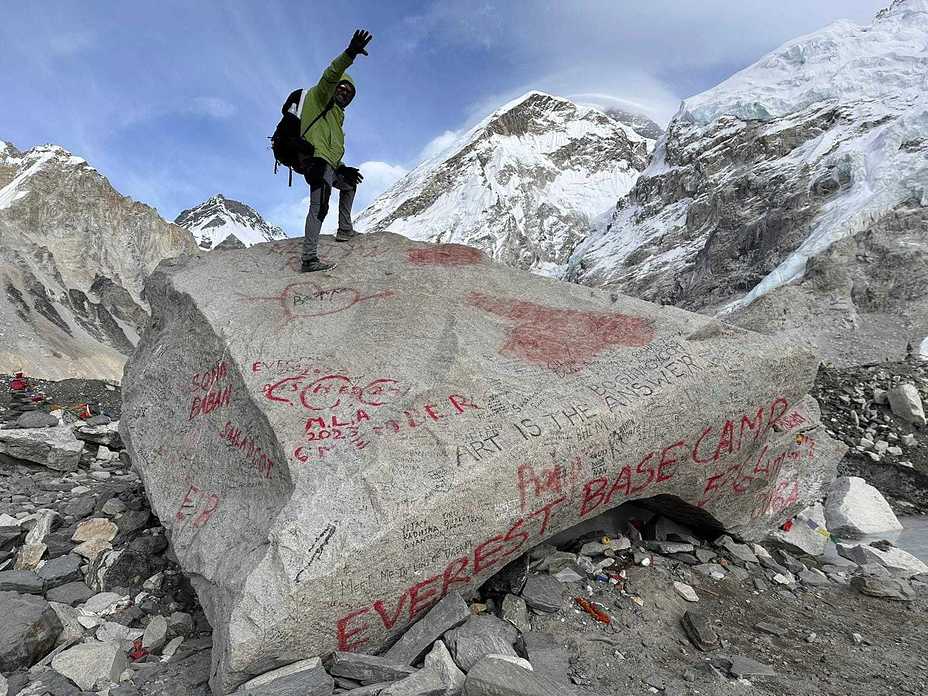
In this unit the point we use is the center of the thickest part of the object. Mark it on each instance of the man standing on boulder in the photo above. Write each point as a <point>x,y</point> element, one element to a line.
<point>321,110</point>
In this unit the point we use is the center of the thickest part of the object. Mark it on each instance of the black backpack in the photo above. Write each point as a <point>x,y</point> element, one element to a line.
<point>290,148</point>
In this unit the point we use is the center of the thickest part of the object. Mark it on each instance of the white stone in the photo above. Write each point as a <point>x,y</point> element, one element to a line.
<point>879,396</point>
<point>103,603</point>
<point>855,508</point>
<point>906,403</point>
<point>91,665</point>
<point>686,591</point>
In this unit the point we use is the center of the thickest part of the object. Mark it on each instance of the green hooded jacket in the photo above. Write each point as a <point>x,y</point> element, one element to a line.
<point>326,135</point>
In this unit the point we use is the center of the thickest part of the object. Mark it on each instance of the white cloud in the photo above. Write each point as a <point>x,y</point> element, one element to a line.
<point>439,144</point>
<point>214,107</point>
<point>378,177</point>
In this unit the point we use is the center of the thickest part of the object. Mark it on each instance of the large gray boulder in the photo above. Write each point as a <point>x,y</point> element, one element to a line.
<point>334,452</point>
<point>56,448</point>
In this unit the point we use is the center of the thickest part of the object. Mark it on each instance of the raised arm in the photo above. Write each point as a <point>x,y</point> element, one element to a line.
<point>325,89</point>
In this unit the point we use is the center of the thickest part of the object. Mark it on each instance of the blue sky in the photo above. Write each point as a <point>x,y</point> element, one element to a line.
<point>173,100</point>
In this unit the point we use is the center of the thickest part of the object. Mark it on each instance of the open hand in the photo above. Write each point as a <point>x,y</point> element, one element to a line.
<point>352,175</point>
<point>358,43</point>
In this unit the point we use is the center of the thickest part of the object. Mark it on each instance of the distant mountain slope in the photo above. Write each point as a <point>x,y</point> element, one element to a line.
<point>74,254</point>
<point>792,197</point>
<point>214,220</point>
<point>522,185</point>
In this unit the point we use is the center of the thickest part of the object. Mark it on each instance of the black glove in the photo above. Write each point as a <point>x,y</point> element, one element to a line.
<point>352,175</point>
<point>358,42</point>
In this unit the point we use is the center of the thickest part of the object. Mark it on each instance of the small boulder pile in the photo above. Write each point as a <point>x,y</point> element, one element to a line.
<point>878,411</point>
<point>595,580</point>
<point>94,599</point>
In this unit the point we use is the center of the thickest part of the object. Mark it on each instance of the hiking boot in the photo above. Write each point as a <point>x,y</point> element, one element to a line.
<point>315,265</point>
<point>345,235</point>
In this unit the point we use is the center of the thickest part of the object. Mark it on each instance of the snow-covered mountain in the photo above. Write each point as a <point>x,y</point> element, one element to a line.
<point>74,254</point>
<point>792,197</point>
<point>523,185</point>
<point>215,220</point>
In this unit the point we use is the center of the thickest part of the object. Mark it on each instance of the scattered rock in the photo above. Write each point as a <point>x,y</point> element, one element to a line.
<point>547,656</point>
<point>24,581</point>
<point>905,402</point>
<point>103,603</point>
<point>367,669</point>
<point>91,665</point>
<point>699,630</point>
<point>514,610</point>
<point>156,633</point>
<point>901,562</point>
<point>440,660</point>
<point>425,682</point>
<point>36,419</point>
<point>449,612</point>
<point>741,552</point>
<point>30,629</point>
<point>813,577</point>
<point>855,509</point>
<point>887,588</point>
<point>770,628</point>
<point>55,448</point>
<point>303,678</point>
<point>95,529</point>
<point>478,637</point>
<point>60,571</point>
<point>92,549</point>
<point>29,556</point>
<point>104,434</point>
<point>542,593</point>
<point>496,677</point>
<point>686,591</point>
<point>181,623</point>
<point>740,666</point>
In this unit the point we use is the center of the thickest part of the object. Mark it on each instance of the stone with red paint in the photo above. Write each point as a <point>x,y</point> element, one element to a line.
<point>332,454</point>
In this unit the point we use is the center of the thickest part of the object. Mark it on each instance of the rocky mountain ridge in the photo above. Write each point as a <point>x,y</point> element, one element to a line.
<point>522,185</point>
<point>217,219</point>
<point>793,197</point>
<point>74,254</point>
